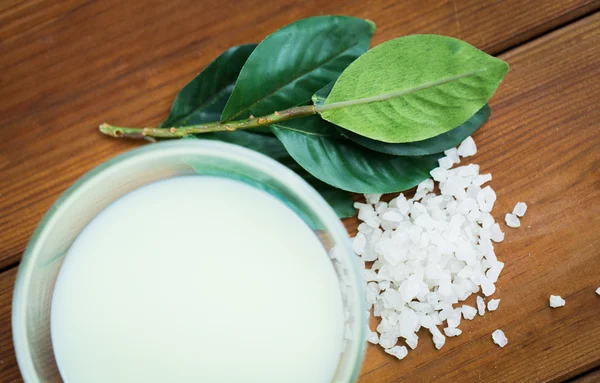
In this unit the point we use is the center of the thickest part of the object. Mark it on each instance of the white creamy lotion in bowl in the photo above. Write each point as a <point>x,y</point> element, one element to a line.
<point>197,279</point>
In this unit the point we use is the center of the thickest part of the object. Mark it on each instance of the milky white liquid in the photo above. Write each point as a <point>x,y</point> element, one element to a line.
<point>197,279</point>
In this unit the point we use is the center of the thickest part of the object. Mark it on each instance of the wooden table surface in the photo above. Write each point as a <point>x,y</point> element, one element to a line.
<point>66,66</point>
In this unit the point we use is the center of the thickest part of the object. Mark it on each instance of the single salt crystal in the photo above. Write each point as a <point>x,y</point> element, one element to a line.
<point>493,304</point>
<point>520,209</point>
<point>392,216</point>
<point>399,352</point>
<point>358,243</point>
<point>370,275</point>
<point>426,185</point>
<point>381,207</point>
<point>556,301</point>
<point>481,179</point>
<point>494,271</point>
<point>402,204</point>
<point>372,337</point>
<point>512,220</point>
<point>445,163</point>
<point>480,305</point>
<point>496,233</point>
<point>486,199</point>
<point>598,291</point>
<point>468,312</point>
<point>452,154</point>
<point>412,340</point>
<point>373,198</point>
<point>451,331</point>
<point>438,338</point>
<point>364,228</point>
<point>487,286</point>
<point>374,222</point>
<point>439,174</point>
<point>384,285</point>
<point>454,319</point>
<point>365,212</point>
<point>499,338</point>
<point>372,292</point>
<point>388,341</point>
<point>467,148</point>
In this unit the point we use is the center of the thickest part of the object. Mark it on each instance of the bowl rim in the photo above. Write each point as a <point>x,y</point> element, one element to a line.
<point>306,193</point>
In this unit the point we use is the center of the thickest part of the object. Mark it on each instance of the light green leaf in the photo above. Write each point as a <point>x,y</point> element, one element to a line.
<point>292,63</point>
<point>413,88</point>
<point>203,98</point>
<point>346,165</point>
<point>432,145</point>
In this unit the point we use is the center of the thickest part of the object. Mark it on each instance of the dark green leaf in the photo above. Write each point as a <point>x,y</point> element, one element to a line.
<point>321,95</point>
<point>203,99</point>
<point>433,145</point>
<point>340,201</point>
<point>294,62</point>
<point>348,166</point>
<point>311,125</point>
<point>413,88</point>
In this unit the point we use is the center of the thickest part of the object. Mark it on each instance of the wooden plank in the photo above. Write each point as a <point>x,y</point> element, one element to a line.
<point>592,377</point>
<point>9,371</point>
<point>541,145</point>
<point>67,66</point>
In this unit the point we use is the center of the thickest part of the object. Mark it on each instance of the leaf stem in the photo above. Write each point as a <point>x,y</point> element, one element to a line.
<point>387,96</point>
<point>178,132</point>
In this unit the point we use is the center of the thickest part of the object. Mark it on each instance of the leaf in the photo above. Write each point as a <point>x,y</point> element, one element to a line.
<point>340,200</point>
<point>432,145</point>
<point>413,88</point>
<point>321,95</point>
<point>219,77</point>
<point>203,99</point>
<point>292,63</point>
<point>348,166</point>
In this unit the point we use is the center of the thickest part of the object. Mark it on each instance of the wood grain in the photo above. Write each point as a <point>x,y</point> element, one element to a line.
<point>9,372</point>
<point>67,66</point>
<point>592,377</point>
<point>541,145</point>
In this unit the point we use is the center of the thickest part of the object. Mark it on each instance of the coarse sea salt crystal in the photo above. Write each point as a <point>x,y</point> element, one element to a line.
<point>496,233</point>
<point>438,338</point>
<point>512,220</point>
<point>373,198</point>
<point>439,174</point>
<point>499,338</point>
<point>520,209</point>
<point>598,291</point>
<point>493,304</point>
<point>412,340</point>
<point>399,352</point>
<point>480,305</point>
<point>556,301</point>
<point>451,331</point>
<point>445,163</point>
<point>468,312</point>
<point>452,154</point>
<point>467,148</point>
<point>358,243</point>
<point>372,337</point>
